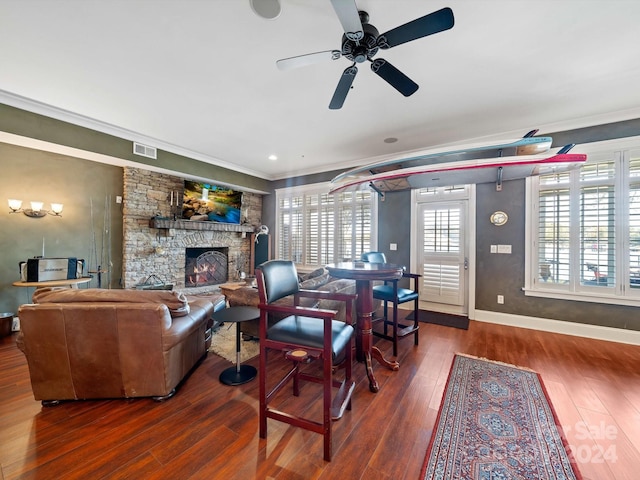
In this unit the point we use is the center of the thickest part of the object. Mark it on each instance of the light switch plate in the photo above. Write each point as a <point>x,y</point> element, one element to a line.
<point>393,246</point>
<point>494,249</point>
<point>504,248</point>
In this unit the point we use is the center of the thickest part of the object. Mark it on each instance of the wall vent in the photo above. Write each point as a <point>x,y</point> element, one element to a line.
<point>145,150</point>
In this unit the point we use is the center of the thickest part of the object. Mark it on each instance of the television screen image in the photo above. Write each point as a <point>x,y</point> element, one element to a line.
<point>214,203</point>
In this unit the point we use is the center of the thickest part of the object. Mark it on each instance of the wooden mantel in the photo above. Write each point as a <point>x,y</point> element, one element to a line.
<point>159,222</point>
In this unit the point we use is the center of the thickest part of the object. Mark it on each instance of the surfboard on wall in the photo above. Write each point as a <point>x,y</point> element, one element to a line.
<point>481,162</point>
<point>461,172</point>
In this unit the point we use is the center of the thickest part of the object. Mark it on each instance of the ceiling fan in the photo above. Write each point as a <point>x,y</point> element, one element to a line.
<point>361,42</point>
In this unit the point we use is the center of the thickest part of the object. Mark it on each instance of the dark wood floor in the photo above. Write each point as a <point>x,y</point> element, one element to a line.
<point>209,430</point>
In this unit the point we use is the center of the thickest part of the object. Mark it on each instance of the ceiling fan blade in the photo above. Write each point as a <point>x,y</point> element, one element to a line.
<point>394,77</point>
<point>349,17</point>
<point>308,59</point>
<point>420,27</point>
<point>343,87</point>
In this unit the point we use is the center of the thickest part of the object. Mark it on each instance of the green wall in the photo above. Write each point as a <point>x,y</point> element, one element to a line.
<point>32,125</point>
<point>35,175</point>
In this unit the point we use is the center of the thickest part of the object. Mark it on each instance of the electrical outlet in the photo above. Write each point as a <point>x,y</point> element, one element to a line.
<point>118,199</point>
<point>494,249</point>
<point>393,246</point>
<point>501,299</point>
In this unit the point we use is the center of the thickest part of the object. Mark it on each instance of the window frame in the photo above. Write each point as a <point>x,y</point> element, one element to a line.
<point>305,191</point>
<point>619,151</point>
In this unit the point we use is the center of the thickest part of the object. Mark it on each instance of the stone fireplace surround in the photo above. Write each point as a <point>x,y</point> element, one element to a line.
<point>161,251</point>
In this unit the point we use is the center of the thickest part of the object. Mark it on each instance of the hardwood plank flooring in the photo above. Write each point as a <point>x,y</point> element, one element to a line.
<point>209,430</point>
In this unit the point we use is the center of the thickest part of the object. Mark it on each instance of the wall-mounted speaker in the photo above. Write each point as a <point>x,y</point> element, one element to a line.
<point>260,250</point>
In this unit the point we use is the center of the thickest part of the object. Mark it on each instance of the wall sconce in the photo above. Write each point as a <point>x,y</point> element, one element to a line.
<point>36,210</point>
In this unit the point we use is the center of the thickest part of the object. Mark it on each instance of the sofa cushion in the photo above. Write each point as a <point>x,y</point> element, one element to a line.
<point>176,302</point>
<point>342,285</point>
<point>315,273</point>
<point>336,286</point>
<point>314,283</point>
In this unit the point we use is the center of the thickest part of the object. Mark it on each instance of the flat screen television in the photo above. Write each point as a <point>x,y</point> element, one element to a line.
<point>213,203</point>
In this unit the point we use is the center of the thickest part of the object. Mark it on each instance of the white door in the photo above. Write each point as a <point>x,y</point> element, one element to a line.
<point>442,256</point>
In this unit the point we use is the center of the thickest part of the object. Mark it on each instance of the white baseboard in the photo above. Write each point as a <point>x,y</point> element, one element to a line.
<point>620,335</point>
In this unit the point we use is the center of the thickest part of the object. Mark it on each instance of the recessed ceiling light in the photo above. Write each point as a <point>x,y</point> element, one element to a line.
<point>268,9</point>
<point>273,157</point>
<point>390,140</point>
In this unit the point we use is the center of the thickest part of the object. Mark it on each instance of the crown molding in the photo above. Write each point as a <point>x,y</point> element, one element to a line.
<point>50,111</point>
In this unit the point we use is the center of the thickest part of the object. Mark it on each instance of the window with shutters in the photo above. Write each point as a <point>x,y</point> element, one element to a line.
<point>584,228</point>
<point>315,228</point>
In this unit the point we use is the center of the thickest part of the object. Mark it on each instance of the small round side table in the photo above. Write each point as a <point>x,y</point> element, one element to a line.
<point>240,373</point>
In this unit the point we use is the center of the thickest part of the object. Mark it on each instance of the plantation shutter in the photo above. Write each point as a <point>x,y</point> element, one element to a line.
<point>327,229</point>
<point>597,225</point>
<point>442,255</point>
<point>315,228</point>
<point>554,220</point>
<point>634,223</point>
<point>312,229</point>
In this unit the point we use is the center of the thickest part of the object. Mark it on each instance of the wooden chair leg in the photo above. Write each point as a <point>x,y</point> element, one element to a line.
<point>395,329</point>
<point>326,415</point>
<point>416,334</point>
<point>263,390</point>
<point>386,317</point>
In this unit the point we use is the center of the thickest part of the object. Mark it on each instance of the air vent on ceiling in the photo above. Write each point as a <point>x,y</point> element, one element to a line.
<point>144,150</point>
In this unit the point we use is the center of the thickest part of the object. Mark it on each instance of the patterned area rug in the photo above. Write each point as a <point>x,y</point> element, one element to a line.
<point>223,343</point>
<point>496,422</point>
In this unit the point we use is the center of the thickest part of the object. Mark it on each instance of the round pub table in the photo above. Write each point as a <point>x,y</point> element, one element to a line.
<point>238,374</point>
<point>364,273</point>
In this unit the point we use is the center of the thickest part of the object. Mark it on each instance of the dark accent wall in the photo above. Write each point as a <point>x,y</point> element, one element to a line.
<point>497,273</point>
<point>504,274</point>
<point>394,226</point>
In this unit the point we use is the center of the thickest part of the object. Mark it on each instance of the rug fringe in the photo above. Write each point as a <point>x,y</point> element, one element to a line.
<point>498,362</point>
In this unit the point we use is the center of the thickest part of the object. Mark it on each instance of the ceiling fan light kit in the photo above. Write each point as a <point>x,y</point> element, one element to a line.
<point>361,41</point>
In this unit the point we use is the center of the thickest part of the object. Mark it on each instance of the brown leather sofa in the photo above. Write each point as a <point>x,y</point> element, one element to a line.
<point>96,343</point>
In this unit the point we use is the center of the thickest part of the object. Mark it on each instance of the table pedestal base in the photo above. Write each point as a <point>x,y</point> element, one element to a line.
<point>238,375</point>
<point>365,351</point>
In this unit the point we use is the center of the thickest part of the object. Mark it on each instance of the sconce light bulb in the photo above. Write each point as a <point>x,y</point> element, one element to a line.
<point>57,208</point>
<point>36,206</point>
<point>14,204</point>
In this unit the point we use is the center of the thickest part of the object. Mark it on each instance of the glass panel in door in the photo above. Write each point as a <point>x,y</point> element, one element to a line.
<point>442,253</point>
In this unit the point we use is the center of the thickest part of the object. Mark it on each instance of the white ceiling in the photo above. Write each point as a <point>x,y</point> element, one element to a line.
<point>200,75</point>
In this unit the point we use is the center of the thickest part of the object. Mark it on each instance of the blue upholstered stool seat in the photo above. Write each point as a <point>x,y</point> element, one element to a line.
<point>385,292</point>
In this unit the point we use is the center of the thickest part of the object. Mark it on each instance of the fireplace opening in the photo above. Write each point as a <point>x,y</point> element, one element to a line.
<point>206,266</point>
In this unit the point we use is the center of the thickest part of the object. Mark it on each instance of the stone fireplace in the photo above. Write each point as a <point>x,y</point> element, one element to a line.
<point>156,242</point>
